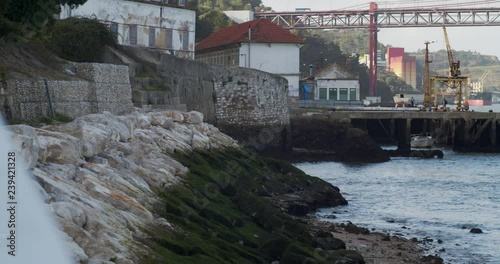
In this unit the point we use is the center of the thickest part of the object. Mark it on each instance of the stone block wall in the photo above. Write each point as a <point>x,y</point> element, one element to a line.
<point>192,81</point>
<point>252,106</point>
<point>104,88</point>
<point>249,105</point>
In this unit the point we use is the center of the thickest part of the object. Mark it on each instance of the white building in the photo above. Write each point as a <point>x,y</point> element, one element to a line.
<point>258,44</point>
<point>329,83</point>
<point>162,25</point>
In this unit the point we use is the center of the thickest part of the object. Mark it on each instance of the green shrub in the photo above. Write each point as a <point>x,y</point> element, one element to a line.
<point>80,39</point>
<point>144,74</point>
<point>3,73</point>
<point>63,118</point>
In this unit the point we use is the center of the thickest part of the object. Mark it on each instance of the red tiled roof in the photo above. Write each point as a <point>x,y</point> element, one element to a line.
<point>263,31</point>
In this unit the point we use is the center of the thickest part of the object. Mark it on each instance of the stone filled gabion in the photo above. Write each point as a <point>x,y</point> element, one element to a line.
<point>105,87</point>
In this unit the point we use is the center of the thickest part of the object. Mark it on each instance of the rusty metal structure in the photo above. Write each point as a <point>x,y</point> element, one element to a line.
<point>454,82</point>
<point>458,84</point>
<point>454,65</point>
<point>427,84</point>
<point>375,18</point>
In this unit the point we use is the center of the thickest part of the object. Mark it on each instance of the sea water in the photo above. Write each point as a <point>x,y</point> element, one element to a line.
<point>424,198</point>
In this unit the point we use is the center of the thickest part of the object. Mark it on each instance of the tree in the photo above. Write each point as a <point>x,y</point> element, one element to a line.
<point>318,48</point>
<point>4,6</point>
<point>79,39</point>
<point>230,4</point>
<point>210,17</point>
<point>210,21</point>
<point>32,15</point>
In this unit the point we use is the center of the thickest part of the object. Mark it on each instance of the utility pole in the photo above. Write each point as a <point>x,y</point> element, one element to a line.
<point>427,80</point>
<point>321,60</point>
<point>373,48</point>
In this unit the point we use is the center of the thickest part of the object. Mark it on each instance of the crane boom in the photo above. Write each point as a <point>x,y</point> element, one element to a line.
<point>454,66</point>
<point>448,47</point>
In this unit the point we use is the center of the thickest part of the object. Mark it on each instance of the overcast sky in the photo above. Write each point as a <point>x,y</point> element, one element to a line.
<point>485,40</point>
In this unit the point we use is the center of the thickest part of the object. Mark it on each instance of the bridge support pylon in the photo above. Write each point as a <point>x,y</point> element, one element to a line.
<point>373,49</point>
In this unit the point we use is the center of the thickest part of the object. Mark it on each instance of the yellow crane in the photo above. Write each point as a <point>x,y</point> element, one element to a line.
<point>454,81</point>
<point>454,66</point>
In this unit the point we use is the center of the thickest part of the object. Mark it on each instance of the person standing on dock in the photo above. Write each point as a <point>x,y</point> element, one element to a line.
<point>444,103</point>
<point>412,101</point>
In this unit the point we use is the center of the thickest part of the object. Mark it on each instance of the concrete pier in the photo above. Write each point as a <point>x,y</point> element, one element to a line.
<point>464,131</point>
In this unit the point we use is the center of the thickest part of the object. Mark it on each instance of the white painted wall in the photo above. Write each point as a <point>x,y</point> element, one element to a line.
<point>278,58</point>
<point>329,83</point>
<point>126,13</point>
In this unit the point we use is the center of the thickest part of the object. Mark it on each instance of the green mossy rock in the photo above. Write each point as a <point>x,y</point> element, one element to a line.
<point>228,210</point>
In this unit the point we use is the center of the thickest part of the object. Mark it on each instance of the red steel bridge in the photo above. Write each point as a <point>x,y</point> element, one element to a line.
<point>374,18</point>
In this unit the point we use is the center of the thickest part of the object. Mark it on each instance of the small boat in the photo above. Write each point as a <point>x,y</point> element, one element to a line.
<point>421,141</point>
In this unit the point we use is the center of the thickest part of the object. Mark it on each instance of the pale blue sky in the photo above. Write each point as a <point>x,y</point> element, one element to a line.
<point>485,40</point>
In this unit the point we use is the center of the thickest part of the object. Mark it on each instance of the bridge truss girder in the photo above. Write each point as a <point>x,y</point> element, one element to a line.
<point>375,18</point>
<point>386,18</point>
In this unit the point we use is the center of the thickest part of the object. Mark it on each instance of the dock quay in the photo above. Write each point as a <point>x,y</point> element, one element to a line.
<point>463,131</point>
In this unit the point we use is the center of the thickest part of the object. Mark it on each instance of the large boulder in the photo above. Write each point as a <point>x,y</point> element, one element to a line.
<point>323,138</point>
<point>97,131</point>
<point>358,146</point>
<point>60,148</point>
<point>193,117</point>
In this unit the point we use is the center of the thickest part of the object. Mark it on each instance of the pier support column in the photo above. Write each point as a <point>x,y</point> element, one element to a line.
<point>467,135</point>
<point>493,134</point>
<point>404,131</point>
<point>454,132</point>
<point>392,130</point>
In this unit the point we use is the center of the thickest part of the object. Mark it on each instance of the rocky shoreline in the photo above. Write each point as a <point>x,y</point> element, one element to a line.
<point>164,187</point>
<point>375,247</point>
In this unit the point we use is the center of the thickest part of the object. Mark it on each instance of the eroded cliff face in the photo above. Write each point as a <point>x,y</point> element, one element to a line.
<point>100,175</point>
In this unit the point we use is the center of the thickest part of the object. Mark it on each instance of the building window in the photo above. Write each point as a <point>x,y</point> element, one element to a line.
<point>169,36</point>
<point>114,30</point>
<point>332,94</point>
<point>185,40</point>
<point>322,94</point>
<point>152,36</point>
<point>343,96</point>
<point>352,94</point>
<point>182,2</point>
<point>133,34</point>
